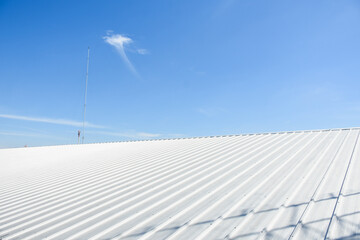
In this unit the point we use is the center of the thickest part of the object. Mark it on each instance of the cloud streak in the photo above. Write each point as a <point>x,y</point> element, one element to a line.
<point>50,120</point>
<point>120,42</point>
<point>20,134</point>
<point>133,135</point>
<point>30,134</point>
<point>142,51</point>
<point>136,135</point>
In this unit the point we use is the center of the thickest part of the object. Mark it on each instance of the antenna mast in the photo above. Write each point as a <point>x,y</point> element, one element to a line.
<point>86,83</point>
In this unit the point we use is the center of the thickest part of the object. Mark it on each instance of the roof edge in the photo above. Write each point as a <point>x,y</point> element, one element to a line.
<point>213,136</point>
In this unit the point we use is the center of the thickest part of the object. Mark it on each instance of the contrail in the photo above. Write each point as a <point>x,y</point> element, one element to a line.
<point>50,120</point>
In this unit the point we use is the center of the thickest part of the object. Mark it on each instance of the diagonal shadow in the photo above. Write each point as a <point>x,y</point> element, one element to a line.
<point>269,234</point>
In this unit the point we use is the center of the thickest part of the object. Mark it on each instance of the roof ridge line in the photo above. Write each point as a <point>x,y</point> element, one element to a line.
<point>212,136</point>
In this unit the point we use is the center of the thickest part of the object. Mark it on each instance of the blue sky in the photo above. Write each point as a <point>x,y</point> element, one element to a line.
<point>164,69</point>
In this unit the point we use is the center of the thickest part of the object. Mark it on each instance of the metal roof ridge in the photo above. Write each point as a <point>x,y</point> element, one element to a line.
<point>213,136</point>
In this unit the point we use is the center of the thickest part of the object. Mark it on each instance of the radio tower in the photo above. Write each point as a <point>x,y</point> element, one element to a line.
<point>86,83</point>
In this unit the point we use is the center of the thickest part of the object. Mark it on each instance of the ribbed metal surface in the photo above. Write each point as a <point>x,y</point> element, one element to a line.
<point>299,185</point>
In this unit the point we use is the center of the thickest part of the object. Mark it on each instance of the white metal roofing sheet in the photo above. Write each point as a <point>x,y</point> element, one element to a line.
<point>300,185</point>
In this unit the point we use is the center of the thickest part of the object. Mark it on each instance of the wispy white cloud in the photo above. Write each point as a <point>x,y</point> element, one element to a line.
<point>30,134</point>
<point>50,120</point>
<point>142,51</point>
<point>204,111</point>
<point>136,135</point>
<point>148,135</point>
<point>133,135</point>
<point>22,134</point>
<point>120,42</point>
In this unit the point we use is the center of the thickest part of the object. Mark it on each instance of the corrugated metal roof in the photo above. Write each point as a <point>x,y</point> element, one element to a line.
<point>300,185</point>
